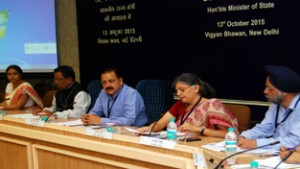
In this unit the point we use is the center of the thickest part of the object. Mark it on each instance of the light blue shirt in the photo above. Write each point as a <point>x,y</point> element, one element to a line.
<point>287,132</point>
<point>127,110</point>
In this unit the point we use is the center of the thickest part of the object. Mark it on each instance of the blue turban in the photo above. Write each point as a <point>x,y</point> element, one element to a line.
<point>283,78</point>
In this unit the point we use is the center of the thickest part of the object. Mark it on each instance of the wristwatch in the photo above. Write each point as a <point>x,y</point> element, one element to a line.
<point>202,131</point>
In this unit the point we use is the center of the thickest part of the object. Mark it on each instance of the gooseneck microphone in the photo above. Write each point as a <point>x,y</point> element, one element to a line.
<point>151,130</point>
<point>154,124</point>
<point>285,157</point>
<point>241,152</point>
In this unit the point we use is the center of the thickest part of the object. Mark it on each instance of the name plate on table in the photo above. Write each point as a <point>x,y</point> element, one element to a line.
<point>156,142</point>
<point>35,122</point>
<point>199,160</point>
<point>99,133</point>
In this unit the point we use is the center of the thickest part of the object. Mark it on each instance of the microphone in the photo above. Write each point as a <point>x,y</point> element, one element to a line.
<point>284,158</point>
<point>151,130</point>
<point>219,164</point>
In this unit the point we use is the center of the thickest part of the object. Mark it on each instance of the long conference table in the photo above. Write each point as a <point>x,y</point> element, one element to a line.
<point>24,146</point>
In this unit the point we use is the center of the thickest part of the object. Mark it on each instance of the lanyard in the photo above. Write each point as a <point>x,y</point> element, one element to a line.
<point>288,114</point>
<point>188,114</point>
<point>110,107</point>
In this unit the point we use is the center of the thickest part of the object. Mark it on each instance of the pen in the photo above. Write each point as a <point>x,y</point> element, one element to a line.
<point>269,154</point>
<point>290,149</point>
<point>74,125</point>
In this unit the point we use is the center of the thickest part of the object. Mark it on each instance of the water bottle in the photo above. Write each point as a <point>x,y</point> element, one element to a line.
<point>111,128</point>
<point>254,165</point>
<point>171,129</point>
<point>230,145</point>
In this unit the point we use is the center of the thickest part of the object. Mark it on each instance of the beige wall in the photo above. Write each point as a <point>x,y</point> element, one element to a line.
<point>67,34</point>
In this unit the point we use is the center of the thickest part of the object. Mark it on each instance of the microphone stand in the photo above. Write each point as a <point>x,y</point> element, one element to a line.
<point>219,164</point>
<point>151,130</point>
<point>284,158</point>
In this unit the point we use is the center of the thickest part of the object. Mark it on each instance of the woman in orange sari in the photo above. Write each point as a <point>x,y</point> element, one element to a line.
<point>19,95</point>
<point>196,110</point>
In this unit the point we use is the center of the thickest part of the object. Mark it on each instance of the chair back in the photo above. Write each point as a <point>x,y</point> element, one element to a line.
<point>42,88</point>
<point>2,95</point>
<point>157,95</point>
<point>48,98</point>
<point>94,88</point>
<point>242,113</point>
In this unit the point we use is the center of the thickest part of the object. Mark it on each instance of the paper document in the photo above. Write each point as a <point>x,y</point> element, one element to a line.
<point>274,161</point>
<point>22,116</point>
<point>247,166</point>
<point>70,123</point>
<point>144,133</point>
<point>131,130</point>
<point>160,134</point>
<point>220,146</point>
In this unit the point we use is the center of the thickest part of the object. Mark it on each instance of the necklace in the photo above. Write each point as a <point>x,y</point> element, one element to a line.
<point>188,114</point>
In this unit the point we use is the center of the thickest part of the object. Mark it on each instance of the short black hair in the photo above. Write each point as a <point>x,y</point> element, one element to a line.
<point>108,70</point>
<point>66,71</point>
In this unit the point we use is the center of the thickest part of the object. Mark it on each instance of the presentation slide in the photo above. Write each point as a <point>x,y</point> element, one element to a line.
<point>28,35</point>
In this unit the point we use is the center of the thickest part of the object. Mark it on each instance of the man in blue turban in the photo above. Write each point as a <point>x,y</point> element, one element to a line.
<point>282,120</point>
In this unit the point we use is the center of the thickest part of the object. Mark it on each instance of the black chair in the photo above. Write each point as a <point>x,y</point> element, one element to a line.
<point>48,98</point>
<point>94,88</point>
<point>2,95</point>
<point>42,88</point>
<point>157,95</point>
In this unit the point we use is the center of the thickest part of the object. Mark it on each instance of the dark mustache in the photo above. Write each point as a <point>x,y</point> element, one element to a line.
<point>109,88</point>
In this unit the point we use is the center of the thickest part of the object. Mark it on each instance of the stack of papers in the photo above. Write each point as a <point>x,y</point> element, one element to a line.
<point>161,134</point>
<point>22,116</point>
<point>153,134</point>
<point>220,147</point>
<point>70,123</point>
<point>274,161</point>
<point>247,166</point>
